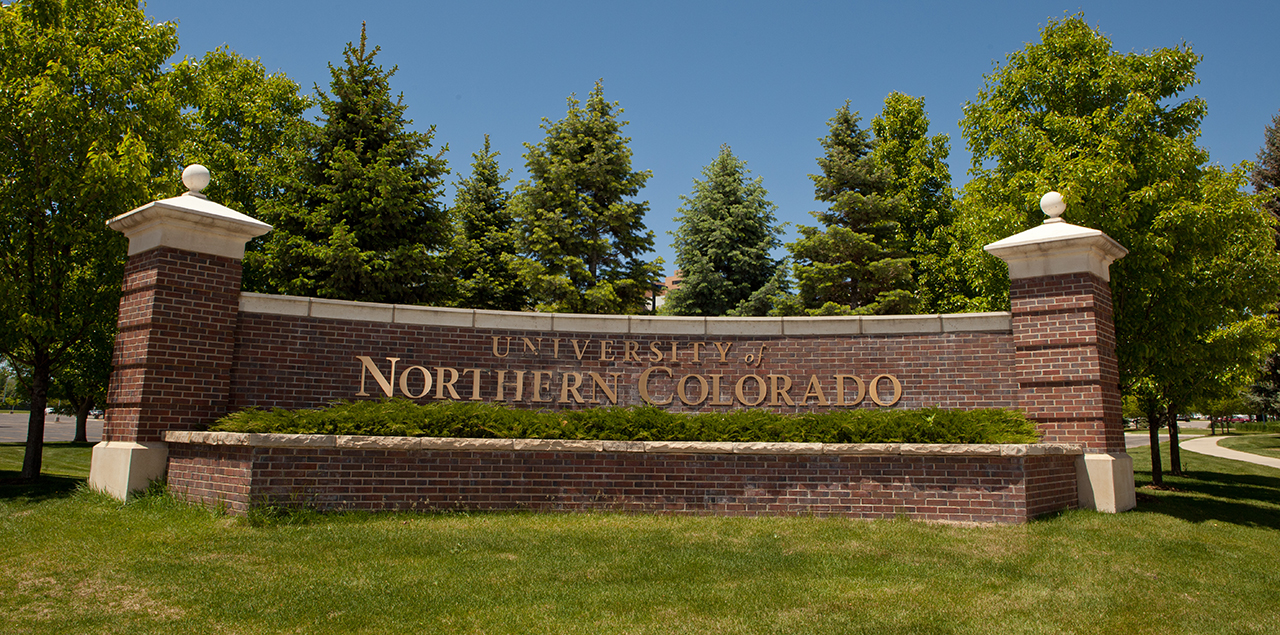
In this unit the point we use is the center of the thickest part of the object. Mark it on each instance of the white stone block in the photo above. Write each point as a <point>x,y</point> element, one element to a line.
<point>901,324</point>
<point>357,311</point>
<point>744,326</point>
<point>274,304</point>
<point>119,468</point>
<point>433,316</point>
<point>826,325</point>
<point>667,325</point>
<point>1105,482</point>
<point>513,321</point>
<point>982,322</point>
<point>575,323</point>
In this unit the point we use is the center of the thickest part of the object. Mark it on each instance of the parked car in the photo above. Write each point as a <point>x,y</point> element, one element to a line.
<point>96,413</point>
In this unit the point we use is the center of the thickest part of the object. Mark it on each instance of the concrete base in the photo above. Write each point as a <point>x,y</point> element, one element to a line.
<point>121,467</point>
<point>1105,482</point>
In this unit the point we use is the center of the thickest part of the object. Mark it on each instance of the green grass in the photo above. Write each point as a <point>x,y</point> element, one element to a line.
<point>1203,558</point>
<point>1260,444</point>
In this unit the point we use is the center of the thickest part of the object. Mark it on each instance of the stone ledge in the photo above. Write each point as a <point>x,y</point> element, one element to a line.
<point>639,447</point>
<point>847,326</point>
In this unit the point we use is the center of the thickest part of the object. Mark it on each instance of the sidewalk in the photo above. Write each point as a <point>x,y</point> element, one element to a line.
<point>1209,446</point>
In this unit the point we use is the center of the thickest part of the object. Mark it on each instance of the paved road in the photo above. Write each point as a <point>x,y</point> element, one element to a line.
<point>1209,445</point>
<point>1141,439</point>
<point>13,428</point>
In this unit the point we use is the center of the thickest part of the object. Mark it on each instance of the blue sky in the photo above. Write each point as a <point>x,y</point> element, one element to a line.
<point>761,77</point>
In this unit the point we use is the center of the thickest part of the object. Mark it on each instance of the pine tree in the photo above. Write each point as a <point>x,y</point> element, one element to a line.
<point>582,233</point>
<point>920,178</point>
<point>364,221</point>
<point>859,262</point>
<point>1266,172</point>
<point>727,229</point>
<point>486,238</point>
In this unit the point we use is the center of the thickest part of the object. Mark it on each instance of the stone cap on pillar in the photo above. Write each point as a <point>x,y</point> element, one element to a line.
<point>190,222</point>
<point>1057,247</point>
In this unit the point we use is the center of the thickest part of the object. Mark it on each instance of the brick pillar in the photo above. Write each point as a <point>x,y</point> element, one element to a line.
<point>1064,336</point>
<point>173,353</point>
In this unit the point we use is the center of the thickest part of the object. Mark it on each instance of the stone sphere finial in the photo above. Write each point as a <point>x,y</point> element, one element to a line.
<point>196,178</point>
<point>1051,204</point>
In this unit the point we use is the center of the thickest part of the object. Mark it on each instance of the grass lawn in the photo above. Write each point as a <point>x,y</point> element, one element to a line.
<point>1260,444</point>
<point>1203,558</point>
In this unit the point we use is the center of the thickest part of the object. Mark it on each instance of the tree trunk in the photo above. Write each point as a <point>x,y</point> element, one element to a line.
<point>1175,455</point>
<point>31,461</point>
<point>1153,425</point>
<point>82,421</point>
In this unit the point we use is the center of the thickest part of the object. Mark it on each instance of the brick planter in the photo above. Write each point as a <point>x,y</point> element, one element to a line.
<point>944,483</point>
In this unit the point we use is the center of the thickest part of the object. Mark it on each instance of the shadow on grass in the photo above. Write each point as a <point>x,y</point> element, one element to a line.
<point>1198,497</point>
<point>47,487</point>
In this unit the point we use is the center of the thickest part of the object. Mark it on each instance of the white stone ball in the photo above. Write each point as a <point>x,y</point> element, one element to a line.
<point>1051,204</point>
<point>195,177</point>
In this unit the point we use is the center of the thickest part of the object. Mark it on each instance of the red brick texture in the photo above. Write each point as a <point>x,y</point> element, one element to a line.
<point>1067,374</point>
<point>302,362</point>
<point>968,489</point>
<point>173,354</point>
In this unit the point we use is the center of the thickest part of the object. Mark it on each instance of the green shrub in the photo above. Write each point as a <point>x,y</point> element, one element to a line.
<point>1256,426</point>
<point>400,417</point>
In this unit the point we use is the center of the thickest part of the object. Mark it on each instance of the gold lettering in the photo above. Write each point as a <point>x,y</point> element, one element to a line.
<point>702,384</point>
<point>655,355</point>
<point>673,351</point>
<point>566,388</point>
<point>776,392</point>
<point>579,352</point>
<point>644,385</point>
<point>715,393</point>
<point>740,393</point>
<point>495,347</point>
<point>875,393</point>
<point>724,350</point>
<point>367,365</point>
<point>426,382</point>
<point>441,384</point>
<point>604,350</point>
<point>519,384</point>
<point>530,346</point>
<point>862,390</point>
<point>696,345</point>
<point>555,347</point>
<point>630,351</point>
<point>611,393</point>
<point>537,384</point>
<point>475,382</point>
<point>815,390</point>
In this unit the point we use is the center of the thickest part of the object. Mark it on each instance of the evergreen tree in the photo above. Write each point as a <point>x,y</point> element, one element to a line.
<point>727,229</point>
<point>581,232</point>
<point>361,220</point>
<point>921,180</point>
<point>859,262</point>
<point>486,238</point>
<point>1266,172</point>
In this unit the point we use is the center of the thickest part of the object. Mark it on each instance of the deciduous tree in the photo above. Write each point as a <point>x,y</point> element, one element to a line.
<point>87,116</point>
<point>1112,132</point>
<point>727,230</point>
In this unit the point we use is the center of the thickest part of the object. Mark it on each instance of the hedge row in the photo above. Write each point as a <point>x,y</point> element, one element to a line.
<point>399,417</point>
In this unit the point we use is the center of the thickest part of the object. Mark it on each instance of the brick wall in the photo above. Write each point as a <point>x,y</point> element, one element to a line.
<point>1066,364</point>
<point>988,485</point>
<point>172,365</point>
<point>302,362</point>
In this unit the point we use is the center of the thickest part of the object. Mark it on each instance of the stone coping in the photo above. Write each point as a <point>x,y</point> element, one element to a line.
<point>247,439</point>
<point>625,324</point>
